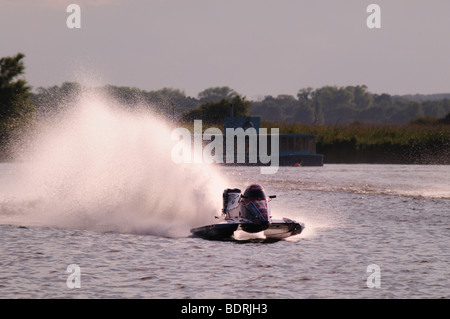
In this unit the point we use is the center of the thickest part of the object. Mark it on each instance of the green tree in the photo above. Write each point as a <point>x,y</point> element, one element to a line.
<point>383,100</point>
<point>171,101</point>
<point>15,105</point>
<point>331,97</point>
<point>215,112</point>
<point>51,100</point>
<point>268,109</point>
<point>216,94</point>
<point>362,98</point>
<point>305,95</point>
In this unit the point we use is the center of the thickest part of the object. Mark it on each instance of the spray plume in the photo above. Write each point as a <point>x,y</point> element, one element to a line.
<point>98,166</point>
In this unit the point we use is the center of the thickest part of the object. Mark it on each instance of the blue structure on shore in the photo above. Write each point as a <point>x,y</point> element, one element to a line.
<point>299,150</point>
<point>294,149</point>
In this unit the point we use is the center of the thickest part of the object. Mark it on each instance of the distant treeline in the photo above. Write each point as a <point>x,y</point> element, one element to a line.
<point>167,101</point>
<point>326,105</point>
<point>340,105</point>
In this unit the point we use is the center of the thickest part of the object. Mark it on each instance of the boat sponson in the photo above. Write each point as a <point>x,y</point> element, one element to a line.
<point>215,231</point>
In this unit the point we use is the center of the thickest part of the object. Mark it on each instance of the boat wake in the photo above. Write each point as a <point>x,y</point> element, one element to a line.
<point>409,188</point>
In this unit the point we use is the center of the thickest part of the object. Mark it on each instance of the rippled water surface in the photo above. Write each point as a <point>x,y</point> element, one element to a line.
<point>393,216</point>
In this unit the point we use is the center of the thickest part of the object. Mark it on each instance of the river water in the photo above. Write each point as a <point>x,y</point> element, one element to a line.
<point>372,231</point>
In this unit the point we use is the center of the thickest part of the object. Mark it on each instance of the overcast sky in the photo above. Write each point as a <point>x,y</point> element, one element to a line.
<point>256,47</point>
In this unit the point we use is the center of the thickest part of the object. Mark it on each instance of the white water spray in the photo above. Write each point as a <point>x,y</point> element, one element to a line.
<point>99,167</point>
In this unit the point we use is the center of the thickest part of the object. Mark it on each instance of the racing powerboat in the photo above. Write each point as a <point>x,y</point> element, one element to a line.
<point>249,212</point>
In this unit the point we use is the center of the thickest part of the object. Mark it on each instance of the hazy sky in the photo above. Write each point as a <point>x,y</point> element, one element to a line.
<point>256,47</point>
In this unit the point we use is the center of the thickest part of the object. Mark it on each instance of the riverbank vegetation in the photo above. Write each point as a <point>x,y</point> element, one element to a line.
<point>328,105</point>
<point>16,109</point>
<point>417,142</point>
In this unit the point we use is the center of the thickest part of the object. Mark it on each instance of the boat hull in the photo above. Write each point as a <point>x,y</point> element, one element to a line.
<point>219,231</point>
<point>284,228</point>
<point>278,229</point>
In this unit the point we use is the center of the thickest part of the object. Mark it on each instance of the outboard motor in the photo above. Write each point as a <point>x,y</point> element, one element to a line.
<point>230,202</point>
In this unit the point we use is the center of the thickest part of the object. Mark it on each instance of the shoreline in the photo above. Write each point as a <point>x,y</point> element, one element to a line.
<point>385,154</point>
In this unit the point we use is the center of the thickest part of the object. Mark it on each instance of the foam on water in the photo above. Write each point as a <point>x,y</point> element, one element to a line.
<point>100,167</point>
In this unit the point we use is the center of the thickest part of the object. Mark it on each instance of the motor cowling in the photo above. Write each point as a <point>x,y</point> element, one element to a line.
<point>231,199</point>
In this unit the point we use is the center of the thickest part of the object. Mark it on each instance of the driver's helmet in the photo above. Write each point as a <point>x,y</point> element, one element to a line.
<point>255,191</point>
